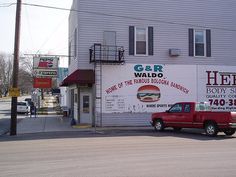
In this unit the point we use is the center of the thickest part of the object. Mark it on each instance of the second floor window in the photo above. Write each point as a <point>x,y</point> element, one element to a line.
<point>75,43</point>
<point>140,41</point>
<point>69,53</point>
<point>199,43</point>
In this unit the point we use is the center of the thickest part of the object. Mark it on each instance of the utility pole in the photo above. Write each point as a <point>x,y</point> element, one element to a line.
<point>15,69</point>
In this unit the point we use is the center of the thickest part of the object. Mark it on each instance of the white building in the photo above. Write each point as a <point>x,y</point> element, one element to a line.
<point>132,58</point>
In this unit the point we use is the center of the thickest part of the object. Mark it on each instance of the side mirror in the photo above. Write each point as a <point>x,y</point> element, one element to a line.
<point>167,111</point>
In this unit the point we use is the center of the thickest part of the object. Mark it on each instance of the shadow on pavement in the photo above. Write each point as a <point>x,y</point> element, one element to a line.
<point>116,132</point>
<point>4,126</point>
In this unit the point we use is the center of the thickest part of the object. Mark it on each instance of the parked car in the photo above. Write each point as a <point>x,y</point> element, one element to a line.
<point>23,107</point>
<point>195,115</point>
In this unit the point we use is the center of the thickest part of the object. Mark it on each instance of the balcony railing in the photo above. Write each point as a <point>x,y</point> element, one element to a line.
<point>106,53</point>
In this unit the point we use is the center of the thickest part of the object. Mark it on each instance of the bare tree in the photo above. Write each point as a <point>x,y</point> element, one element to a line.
<point>24,77</point>
<point>27,63</point>
<point>5,73</point>
<point>25,81</point>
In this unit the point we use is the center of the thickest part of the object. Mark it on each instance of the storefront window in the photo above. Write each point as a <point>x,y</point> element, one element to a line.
<point>86,104</point>
<point>76,96</point>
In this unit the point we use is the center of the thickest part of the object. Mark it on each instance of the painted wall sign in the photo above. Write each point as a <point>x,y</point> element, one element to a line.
<point>153,88</point>
<point>42,83</point>
<point>217,85</point>
<point>147,88</point>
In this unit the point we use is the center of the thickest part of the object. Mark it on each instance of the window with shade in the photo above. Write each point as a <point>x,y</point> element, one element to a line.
<point>141,41</point>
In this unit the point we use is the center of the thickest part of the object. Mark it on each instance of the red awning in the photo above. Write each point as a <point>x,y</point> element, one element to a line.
<point>80,76</point>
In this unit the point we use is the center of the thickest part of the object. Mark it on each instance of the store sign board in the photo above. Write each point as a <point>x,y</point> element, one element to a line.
<point>45,73</point>
<point>45,62</point>
<point>42,83</point>
<point>217,85</point>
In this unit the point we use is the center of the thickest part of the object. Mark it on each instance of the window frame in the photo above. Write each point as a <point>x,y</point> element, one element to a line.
<point>184,108</point>
<point>75,43</point>
<point>170,110</point>
<point>135,41</point>
<point>69,61</point>
<point>204,42</point>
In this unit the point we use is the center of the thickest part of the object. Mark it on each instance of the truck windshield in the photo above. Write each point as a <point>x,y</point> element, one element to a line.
<point>203,107</point>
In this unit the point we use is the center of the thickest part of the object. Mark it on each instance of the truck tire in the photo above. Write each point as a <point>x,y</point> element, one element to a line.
<point>211,129</point>
<point>229,132</point>
<point>159,125</point>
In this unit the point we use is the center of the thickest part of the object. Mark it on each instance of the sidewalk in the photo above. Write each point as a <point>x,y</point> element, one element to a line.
<point>44,123</point>
<point>57,123</point>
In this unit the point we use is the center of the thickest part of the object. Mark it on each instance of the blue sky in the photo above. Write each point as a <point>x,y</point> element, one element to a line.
<point>42,30</point>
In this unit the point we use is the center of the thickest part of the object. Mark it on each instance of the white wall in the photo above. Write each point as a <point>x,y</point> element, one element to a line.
<point>170,19</point>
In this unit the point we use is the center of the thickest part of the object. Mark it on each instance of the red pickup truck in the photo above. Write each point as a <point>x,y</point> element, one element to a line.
<point>195,115</point>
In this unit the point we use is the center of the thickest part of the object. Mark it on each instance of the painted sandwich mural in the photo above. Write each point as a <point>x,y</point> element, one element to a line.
<point>146,87</point>
<point>148,93</point>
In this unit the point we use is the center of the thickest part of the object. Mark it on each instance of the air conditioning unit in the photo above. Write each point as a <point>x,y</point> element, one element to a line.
<point>174,52</point>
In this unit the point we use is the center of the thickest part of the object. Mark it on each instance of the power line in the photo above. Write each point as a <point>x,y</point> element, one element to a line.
<point>36,54</point>
<point>28,24</point>
<point>127,17</point>
<point>7,4</point>
<point>51,35</point>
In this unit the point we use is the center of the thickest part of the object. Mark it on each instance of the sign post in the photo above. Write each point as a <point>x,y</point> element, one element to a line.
<point>45,68</point>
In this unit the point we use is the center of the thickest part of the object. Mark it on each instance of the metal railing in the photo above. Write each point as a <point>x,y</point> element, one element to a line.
<point>106,53</point>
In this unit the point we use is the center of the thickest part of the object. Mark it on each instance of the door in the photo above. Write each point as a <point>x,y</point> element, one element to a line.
<point>86,108</point>
<point>179,115</point>
<point>72,102</point>
<point>109,42</point>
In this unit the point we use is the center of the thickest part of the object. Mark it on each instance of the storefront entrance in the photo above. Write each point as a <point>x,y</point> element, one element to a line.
<point>86,108</point>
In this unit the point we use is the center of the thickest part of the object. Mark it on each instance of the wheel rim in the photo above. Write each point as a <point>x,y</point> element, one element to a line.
<point>210,130</point>
<point>158,125</point>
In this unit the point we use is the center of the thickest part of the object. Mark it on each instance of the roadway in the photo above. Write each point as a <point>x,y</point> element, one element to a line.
<point>142,153</point>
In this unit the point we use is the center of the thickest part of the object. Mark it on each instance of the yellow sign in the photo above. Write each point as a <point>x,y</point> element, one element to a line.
<point>14,92</point>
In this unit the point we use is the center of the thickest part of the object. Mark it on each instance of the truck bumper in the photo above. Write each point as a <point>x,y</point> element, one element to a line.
<point>232,125</point>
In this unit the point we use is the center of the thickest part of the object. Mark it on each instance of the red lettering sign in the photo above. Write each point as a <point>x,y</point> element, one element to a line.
<point>216,78</point>
<point>42,82</point>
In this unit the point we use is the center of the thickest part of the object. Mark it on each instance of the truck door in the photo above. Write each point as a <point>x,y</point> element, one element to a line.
<point>180,115</point>
<point>187,115</point>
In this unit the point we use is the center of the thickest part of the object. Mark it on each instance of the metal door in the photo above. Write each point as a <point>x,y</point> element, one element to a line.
<point>86,108</point>
<point>109,43</point>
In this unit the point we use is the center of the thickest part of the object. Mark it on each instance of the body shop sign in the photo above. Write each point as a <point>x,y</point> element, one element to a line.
<point>218,86</point>
<point>146,87</point>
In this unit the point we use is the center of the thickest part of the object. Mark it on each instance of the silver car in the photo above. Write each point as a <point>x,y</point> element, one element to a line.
<point>23,107</point>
